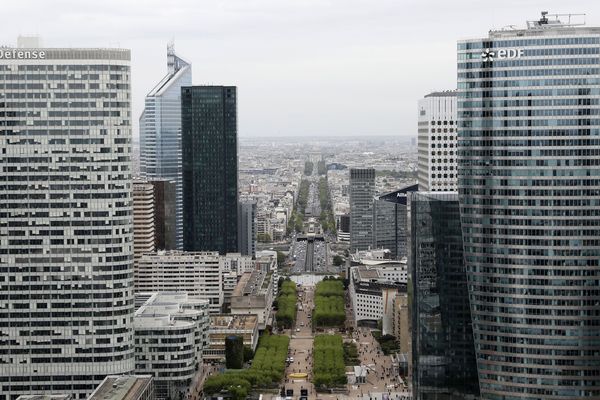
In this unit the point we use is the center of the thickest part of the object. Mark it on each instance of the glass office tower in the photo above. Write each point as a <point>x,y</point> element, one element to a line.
<point>389,221</point>
<point>210,168</point>
<point>529,186</point>
<point>66,229</point>
<point>442,337</point>
<point>160,132</point>
<point>362,190</point>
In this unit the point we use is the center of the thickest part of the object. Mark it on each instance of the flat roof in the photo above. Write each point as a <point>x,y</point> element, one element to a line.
<point>125,387</point>
<point>233,321</point>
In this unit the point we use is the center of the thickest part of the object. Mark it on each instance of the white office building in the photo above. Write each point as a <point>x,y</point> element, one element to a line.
<point>171,331</point>
<point>66,231</point>
<point>195,273</point>
<point>160,132</point>
<point>436,164</point>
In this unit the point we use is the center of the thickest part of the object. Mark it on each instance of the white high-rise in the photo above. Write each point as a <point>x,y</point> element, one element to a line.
<point>160,132</point>
<point>66,233</point>
<point>437,142</point>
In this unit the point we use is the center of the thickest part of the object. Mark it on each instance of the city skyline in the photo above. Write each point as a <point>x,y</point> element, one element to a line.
<point>392,53</point>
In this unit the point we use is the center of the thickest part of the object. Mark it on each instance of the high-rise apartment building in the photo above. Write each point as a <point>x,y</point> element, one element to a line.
<point>436,163</point>
<point>66,230</point>
<point>210,162</point>
<point>389,221</point>
<point>530,202</point>
<point>247,227</point>
<point>144,239</point>
<point>442,337</point>
<point>160,132</point>
<point>362,190</point>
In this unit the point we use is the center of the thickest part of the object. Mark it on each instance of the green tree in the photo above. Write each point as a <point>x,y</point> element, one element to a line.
<point>338,260</point>
<point>248,353</point>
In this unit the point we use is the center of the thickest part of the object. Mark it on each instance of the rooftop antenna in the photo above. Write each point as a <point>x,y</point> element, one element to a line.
<point>171,64</point>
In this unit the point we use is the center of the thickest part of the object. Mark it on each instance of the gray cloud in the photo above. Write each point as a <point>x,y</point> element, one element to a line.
<point>305,67</point>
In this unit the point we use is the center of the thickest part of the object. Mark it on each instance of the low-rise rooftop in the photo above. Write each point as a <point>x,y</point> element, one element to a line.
<point>126,387</point>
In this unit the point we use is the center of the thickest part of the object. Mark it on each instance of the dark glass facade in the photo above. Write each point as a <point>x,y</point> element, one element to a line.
<point>210,168</point>
<point>389,221</point>
<point>529,187</point>
<point>444,365</point>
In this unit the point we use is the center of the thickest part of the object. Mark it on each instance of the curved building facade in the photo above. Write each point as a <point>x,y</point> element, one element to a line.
<point>529,188</point>
<point>66,230</point>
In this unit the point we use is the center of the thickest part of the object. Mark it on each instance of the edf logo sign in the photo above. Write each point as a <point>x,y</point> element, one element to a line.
<point>489,55</point>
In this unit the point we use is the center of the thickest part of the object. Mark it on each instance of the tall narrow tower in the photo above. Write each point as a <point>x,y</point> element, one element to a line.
<point>210,168</point>
<point>160,132</point>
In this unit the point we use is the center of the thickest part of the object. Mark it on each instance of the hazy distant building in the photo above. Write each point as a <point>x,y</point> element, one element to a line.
<point>247,227</point>
<point>436,164</point>
<point>389,221</point>
<point>443,351</point>
<point>160,132</point>
<point>66,230</point>
<point>529,190</point>
<point>210,162</point>
<point>362,190</point>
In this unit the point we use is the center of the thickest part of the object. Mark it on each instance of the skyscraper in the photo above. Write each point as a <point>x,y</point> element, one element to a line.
<point>144,238</point>
<point>362,190</point>
<point>160,132</point>
<point>389,221</point>
<point>66,232</point>
<point>530,203</point>
<point>210,162</point>
<point>247,227</point>
<point>443,350</point>
<point>437,142</point>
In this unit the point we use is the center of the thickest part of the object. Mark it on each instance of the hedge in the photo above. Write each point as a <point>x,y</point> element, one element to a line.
<point>286,304</point>
<point>329,369</point>
<point>329,304</point>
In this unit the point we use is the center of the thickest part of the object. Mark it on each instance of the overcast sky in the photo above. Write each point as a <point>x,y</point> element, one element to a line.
<point>302,67</point>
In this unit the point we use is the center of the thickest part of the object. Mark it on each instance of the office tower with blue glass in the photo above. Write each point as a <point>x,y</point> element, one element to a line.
<point>529,167</point>
<point>210,168</point>
<point>160,132</point>
<point>66,230</point>
<point>442,338</point>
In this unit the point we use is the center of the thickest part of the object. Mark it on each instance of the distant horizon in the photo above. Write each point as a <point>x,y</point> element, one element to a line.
<point>303,66</point>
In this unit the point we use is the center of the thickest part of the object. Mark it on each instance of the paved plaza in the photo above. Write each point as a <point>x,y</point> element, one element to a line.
<point>380,385</point>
